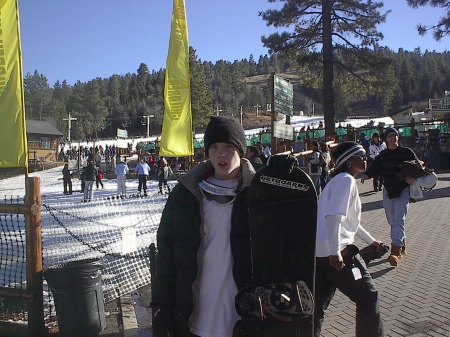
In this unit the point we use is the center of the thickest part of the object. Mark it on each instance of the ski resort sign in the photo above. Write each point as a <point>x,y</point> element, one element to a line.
<point>122,133</point>
<point>284,131</point>
<point>283,93</point>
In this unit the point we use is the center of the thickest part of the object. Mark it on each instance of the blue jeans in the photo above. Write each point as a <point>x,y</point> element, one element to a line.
<point>316,182</point>
<point>396,210</point>
<point>88,189</point>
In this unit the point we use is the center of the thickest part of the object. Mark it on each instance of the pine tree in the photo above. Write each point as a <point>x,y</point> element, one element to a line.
<point>348,25</point>
<point>142,76</point>
<point>94,108</point>
<point>38,94</point>
<point>58,106</point>
<point>442,28</point>
<point>201,95</point>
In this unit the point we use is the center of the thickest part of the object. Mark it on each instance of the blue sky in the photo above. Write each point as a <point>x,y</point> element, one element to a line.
<point>85,39</point>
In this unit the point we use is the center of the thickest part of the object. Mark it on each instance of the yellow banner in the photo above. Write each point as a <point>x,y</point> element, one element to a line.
<point>13,138</point>
<point>176,136</point>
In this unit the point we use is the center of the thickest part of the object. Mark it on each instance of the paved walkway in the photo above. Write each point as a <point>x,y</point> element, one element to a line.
<point>415,296</point>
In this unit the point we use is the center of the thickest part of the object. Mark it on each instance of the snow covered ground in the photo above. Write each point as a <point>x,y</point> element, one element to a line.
<point>117,231</point>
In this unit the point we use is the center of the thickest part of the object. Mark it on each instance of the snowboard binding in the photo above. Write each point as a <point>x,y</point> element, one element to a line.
<point>282,301</point>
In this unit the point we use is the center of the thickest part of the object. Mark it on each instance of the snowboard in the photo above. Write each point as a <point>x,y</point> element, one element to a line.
<point>282,220</point>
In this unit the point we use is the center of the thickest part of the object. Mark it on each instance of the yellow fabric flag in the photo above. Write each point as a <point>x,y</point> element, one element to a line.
<point>13,138</point>
<point>176,136</point>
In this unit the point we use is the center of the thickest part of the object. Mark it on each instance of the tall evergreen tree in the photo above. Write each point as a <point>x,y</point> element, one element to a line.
<point>37,96</point>
<point>58,105</point>
<point>331,25</point>
<point>142,76</point>
<point>201,95</point>
<point>75,105</point>
<point>94,108</point>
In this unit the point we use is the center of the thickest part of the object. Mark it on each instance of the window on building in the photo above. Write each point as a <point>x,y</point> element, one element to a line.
<point>45,142</point>
<point>33,144</point>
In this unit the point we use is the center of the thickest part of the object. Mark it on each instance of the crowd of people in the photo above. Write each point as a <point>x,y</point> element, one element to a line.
<point>203,240</point>
<point>148,167</point>
<point>108,153</point>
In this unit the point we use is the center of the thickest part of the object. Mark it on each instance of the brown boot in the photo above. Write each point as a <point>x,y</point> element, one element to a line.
<point>403,250</point>
<point>395,255</point>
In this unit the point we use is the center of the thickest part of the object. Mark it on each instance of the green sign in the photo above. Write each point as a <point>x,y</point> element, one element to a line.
<point>283,94</point>
<point>122,133</point>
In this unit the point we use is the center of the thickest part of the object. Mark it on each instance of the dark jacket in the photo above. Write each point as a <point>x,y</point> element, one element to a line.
<point>387,164</point>
<point>90,172</point>
<point>178,245</point>
<point>257,163</point>
<point>66,173</point>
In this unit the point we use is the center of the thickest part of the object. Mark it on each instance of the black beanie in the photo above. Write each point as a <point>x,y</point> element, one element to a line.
<point>222,129</point>
<point>346,150</point>
<point>390,130</point>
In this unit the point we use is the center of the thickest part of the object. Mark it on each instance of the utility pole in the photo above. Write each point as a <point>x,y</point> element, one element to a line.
<point>217,111</point>
<point>148,123</point>
<point>257,106</point>
<point>70,119</point>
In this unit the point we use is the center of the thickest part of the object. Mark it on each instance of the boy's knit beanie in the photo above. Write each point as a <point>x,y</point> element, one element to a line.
<point>390,130</point>
<point>346,150</point>
<point>225,130</point>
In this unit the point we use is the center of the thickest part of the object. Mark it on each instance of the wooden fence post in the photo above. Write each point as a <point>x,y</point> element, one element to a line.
<point>34,268</point>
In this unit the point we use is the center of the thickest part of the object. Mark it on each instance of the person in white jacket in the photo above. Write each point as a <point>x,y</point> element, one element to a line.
<point>338,262</point>
<point>121,172</point>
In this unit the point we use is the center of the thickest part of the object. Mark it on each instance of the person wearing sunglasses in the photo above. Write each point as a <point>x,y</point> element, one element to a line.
<point>338,262</point>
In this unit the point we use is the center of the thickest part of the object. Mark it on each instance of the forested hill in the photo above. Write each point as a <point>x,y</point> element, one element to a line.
<point>120,101</point>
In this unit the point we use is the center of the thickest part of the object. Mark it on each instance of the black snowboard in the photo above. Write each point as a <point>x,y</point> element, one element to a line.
<point>282,216</point>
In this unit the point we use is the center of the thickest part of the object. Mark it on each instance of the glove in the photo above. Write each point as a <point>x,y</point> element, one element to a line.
<point>162,325</point>
<point>373,252</point>
<point>282,163</point>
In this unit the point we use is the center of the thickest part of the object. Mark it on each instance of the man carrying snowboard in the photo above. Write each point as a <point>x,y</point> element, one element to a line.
<point>203,240</point>
<point>204,249</point>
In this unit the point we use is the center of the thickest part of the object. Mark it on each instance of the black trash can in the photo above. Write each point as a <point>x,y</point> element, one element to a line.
<point>78,294</point>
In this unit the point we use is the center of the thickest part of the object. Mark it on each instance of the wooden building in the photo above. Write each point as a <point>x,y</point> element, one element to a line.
<point>43,140</point>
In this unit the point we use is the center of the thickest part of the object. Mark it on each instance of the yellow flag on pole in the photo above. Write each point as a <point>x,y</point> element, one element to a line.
<point>13,138</point>
<point>176,136</point>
